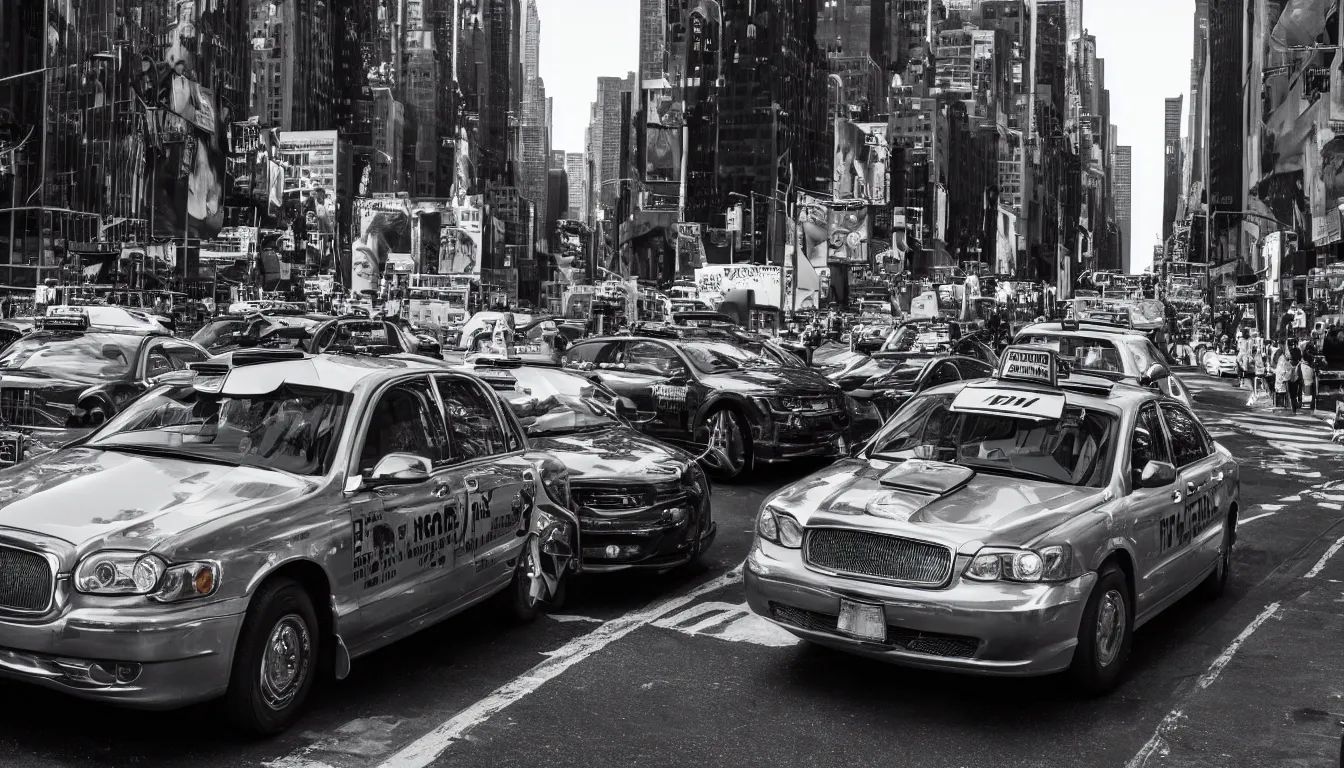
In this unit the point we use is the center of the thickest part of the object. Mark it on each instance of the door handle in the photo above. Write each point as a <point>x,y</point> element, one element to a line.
<point>442,491</point>
<point>1176,496</point>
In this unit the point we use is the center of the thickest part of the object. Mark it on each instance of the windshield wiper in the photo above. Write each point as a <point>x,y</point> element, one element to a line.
<point>569,430</point>
<point>167,453</point>
<point>1012,472</point>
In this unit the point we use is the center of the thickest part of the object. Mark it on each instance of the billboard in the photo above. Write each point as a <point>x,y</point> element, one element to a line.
<point>849,232</point>
<point>382,228</point>
<point>662,136</point>
<point>872,178</point>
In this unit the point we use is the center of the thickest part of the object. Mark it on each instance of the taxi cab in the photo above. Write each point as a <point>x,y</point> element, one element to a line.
<point>1023,524</point>
<point>264,519</point>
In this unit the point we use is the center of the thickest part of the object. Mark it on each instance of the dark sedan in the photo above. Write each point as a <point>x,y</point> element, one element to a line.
<point>887,392</point>
<point>738,407</point>
<point>641,503</point>
<point>66,378</point>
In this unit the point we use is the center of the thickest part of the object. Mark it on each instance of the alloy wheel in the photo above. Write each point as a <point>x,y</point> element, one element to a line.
<point>1111,620</point>
<point>725,442</point>
<point>285,661</point>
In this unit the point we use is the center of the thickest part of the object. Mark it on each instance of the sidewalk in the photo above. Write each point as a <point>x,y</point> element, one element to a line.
<point>1226,393</point>
<point>1278,700</point>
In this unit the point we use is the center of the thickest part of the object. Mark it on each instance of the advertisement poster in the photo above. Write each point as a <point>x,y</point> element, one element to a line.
<point>814,218</point>
<point>845,166</point>
<point>662,151</point>
<point>382,227</point>
<point>460,236</point>
<point>872,178</point>
<point>849,232</point>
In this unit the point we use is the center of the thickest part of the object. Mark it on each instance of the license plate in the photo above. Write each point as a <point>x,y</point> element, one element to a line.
<point>861,620</point>
<point>10,449</point>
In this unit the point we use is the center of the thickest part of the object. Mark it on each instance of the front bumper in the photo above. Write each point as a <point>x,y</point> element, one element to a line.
<point>137,654</point>
<point>998,629</point>
<point>814,436</point>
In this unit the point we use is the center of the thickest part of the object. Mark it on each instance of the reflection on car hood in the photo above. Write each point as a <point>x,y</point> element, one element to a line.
<point>83,495</point>
<point>772,381</point>
<point>991,508</point>
<point>615,453</point>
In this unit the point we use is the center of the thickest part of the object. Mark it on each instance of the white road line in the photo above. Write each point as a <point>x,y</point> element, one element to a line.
<point>1157,745</point>
<point>426,749</point>
<point>1320,564</point>
<point>1216,668</point>
<point>1254,518</point>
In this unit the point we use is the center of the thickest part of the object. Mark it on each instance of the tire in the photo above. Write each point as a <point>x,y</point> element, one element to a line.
<point>276,660</point>
<point>727,425</point>
<point>515,603</point>
<point>1215,584</point>
<point>1099,662</point>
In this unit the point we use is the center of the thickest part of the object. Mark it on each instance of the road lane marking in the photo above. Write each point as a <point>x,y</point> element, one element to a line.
<point>1254,518</point>
<point>1216,668</point>
<point>428,748</point>
<point>733,622</point>
<point>1325,558</point>
<point>1158,744</point>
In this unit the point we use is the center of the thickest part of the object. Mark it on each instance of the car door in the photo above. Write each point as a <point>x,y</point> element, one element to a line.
<point>393,570</point>
<point>654,375</point>
<point>490,472</point>
<point>1153,512</point>
<point>1198,527</point>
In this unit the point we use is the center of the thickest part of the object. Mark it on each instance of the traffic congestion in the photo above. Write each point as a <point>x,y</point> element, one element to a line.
<point>243,516</point>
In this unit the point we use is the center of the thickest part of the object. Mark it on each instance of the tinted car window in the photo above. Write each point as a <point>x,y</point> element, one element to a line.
<point>405,420</point>
<point>589,354</point>
<point>1097,355</point>
<point>973,369</point>
<point>472,421</point>
<point>181,355</point>
<point>649,357</point>
<point>1187,438</point>
<point>218,334</point>
<point>87,357</point>
<point>1148,443</point>
<point>156,363</point>
<point>943,373</point>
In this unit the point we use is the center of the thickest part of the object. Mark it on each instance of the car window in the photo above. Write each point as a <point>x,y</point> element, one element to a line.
<point>156,362</point>
<point>649,357</point>
<point>1145,355</point>
<point>1149,442</point>
<point>1086,354</point>
<point>405,420</point>
<point>181,355</point>
<point>473,422</point>
<point>589,355</point>
<point>943,373</point>
<point>973,369</point>
<point>1187,438</point>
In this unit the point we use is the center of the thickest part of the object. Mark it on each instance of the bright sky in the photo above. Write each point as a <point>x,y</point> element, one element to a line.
<point>1146,44</point>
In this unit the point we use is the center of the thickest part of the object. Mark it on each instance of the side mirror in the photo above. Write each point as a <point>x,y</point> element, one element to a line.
<point>1155,373</point>
<point>398,469</point>
<point>626,408</point>
<point>1157,474</point>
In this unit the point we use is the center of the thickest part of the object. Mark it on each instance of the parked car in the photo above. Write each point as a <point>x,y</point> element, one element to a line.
<point>1077,507</point>
<point>71,375</point>
<point>269,519</point>
<point>261,329</point>
<point>888,391</point>
<point>641,503</point>
<point>354,333</point>
<point>14,328</point>
<point>1109,351</point>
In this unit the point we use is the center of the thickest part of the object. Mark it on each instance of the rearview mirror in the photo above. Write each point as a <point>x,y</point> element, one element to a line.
<point>1155,373</point>
<point>1157,474</point>
<point>398,469</point>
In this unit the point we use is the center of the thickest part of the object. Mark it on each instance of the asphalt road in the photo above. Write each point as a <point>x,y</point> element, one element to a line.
<point>672,671</point>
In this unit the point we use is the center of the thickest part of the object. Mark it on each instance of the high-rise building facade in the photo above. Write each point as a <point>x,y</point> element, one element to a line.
<point>1121,188</point>
<point>292,85</point>
<point>575,174</point>
<point>533,181</point>
<point>1171,187</point>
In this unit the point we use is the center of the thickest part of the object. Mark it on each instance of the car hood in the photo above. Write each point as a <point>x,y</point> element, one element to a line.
<point>120,500</point>
<point>870,495</point>
<point>772,381</point>
<point>614,454</point>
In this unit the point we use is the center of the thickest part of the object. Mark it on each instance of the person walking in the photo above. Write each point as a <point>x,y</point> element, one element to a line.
<point>1282,377</point>
<point>1244,351</point>
<point>1294,377</point>
<point>1309,373</point>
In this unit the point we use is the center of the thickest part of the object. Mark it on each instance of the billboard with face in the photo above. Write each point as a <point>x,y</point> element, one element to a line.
<point>383,227</point>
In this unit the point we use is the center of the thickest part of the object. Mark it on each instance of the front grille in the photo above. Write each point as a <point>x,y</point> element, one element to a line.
<point>889,558</point>
<point>625,497</point>
<point>17,407</point>
<point>931,643</point>
<point>25,580</point>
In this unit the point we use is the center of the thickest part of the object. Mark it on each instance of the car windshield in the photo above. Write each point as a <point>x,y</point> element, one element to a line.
<point>292,430</point>
<point>553,402</point>
<point>1084,354</point>
<point>218,334</point>
<point>1076,449</point>
<point>721,357</point>
<point>912,336</point>
<point>82,357</point>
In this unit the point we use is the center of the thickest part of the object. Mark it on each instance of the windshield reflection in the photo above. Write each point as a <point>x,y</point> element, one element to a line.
<point>86,357</point>
<point>718,357</point>
<point>553,402</point>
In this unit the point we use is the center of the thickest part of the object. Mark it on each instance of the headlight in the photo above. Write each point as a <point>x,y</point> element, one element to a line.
<point>557,488</point>
<point>779,527</point>
<point>1000,564</point>
<point>119,573</point>
<point>795,404</point>
<point>188,582</point>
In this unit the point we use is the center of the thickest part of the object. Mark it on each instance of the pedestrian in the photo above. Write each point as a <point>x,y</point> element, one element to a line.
<point>1286,321</point>
<point>1282,379</point>
<point>1244,351</point>
<point>1294,377</point>
<point>1309,373</point>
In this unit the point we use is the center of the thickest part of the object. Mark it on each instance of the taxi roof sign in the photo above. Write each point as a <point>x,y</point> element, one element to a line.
<point>64,319</point>
<point>1029,363</point>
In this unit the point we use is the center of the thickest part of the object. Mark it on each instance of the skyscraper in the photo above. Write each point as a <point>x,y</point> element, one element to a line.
<point>607,136</point>
<point>532,178</point>
<point>652,40</point>
<point>1171,188</point>
<point>293,91</point>
<point>574,171</point>
<point>1120,188</point>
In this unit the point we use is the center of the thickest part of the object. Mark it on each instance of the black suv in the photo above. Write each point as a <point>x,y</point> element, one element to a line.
<point>735,407</point>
